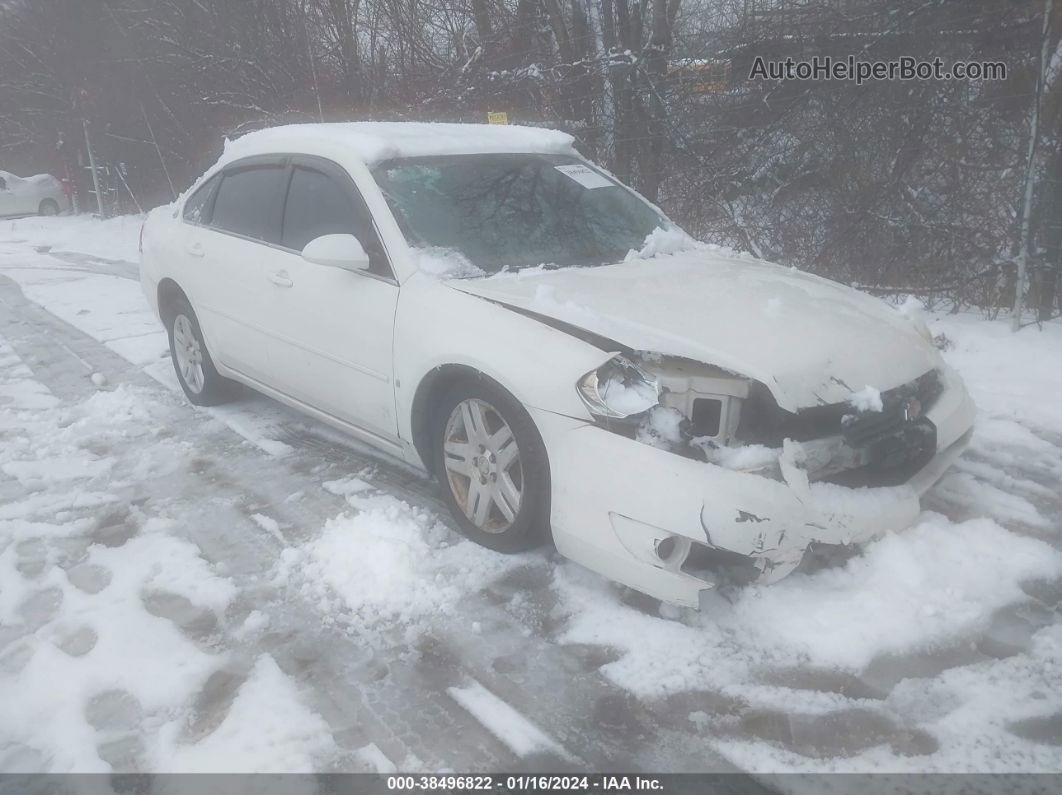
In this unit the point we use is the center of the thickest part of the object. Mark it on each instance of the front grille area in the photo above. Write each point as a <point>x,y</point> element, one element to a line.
<point>892,457</point>
<point>762,422</point>
<point>900,406</point>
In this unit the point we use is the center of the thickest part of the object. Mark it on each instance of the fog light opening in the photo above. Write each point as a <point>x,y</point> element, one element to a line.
<point>673,551</point>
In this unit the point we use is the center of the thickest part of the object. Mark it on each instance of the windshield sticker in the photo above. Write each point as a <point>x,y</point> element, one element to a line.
<point>586,177</point>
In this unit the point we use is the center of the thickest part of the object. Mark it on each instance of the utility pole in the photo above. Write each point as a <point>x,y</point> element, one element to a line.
<point>1030,171</point>
<point>313,67</point>
<point>92,167</point>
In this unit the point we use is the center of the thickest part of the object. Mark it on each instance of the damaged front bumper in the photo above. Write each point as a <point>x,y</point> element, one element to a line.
<point>638,514</point>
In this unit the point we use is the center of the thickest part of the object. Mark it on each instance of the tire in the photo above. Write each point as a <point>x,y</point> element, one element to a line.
<point>195,370</point>
<point>49,207</point>
<point>486,469</point>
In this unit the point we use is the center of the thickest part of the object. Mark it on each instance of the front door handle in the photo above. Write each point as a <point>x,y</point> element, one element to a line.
<point>195,249</point>
<point>281,279</point>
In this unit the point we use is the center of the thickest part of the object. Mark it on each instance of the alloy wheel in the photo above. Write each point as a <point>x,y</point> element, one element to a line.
<point>189,353</point>
<point>483,466</point>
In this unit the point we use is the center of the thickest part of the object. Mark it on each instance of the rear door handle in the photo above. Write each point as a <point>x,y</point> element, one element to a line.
<point>195,249</point>
<point>281,279</point>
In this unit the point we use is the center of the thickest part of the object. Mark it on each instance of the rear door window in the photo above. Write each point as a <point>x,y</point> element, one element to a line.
<point>248,201</point>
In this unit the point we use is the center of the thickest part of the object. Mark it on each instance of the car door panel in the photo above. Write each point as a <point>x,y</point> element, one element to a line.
<point>331,340</point>
<point>332,328</point>
<point>224,263</point>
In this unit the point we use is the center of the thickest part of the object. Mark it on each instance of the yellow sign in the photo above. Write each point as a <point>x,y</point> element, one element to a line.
<point>497,117</point>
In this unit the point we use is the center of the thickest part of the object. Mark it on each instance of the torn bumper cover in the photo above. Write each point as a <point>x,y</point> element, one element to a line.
<point>639,514</point>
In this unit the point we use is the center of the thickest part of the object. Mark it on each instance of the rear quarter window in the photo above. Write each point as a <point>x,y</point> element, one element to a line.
<point>198,204</point>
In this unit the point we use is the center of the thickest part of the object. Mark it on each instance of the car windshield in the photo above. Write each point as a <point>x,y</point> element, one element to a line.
<point>512,211</point>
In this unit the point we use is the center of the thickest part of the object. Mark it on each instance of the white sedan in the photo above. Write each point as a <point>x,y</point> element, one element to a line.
<point>41,194</point>
<point>484,303</point>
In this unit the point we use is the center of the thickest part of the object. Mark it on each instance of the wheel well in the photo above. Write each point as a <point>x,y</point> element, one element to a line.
<point>428,391</point>
<point>169,293</point>
<point>49,202</point>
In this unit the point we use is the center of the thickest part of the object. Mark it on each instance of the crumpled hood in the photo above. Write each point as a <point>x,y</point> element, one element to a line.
<point>809,340</point>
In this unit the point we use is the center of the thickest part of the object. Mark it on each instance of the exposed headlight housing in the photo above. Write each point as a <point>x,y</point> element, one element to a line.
<point>618,389</point>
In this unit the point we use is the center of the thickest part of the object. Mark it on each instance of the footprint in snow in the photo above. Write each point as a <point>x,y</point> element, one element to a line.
<point>198,623</point>
<point>116,715</point>
<point>1046,730</point>
<point>69,552</point>
<point>212,703</point>
<point>78,642</point>
<point>15,656</point>
<point>114,529</point>
<point>40,607</point>
<point>30,557</point>
<point>89,577</point>
<point>19,758</point>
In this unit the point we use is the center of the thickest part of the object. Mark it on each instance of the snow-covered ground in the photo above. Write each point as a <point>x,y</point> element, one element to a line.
<point>241,589</point>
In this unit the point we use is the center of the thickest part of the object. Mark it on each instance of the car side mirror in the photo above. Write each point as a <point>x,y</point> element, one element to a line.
<point>337,251</point>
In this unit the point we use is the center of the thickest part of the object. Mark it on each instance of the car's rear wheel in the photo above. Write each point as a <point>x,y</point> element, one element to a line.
<point>492,465</point>
<point>49,207</point>
<point>196,373</point>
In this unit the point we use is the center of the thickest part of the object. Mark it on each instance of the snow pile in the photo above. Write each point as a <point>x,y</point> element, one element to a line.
<point>925,591</point>
<point>915,311</point>
<point>626,388</point>
<point>387,564</point>
<point>747,458</point>
<point>445,263</point>
<point>628,398</point>
<point>867,399</point>
<point>924,588</point>
<point>662,427</point>
<point>669,240</point>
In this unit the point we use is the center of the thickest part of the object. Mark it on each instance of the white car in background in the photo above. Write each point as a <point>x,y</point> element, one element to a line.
<point>484,303</point>
<point>41,194</point>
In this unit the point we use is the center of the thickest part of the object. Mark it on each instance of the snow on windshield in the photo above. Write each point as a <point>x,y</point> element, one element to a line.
<point>663,240</point>
<point>515,211</point>
<point>445,262</point>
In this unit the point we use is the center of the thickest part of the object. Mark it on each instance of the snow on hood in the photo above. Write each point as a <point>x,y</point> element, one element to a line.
<point>809,340</point>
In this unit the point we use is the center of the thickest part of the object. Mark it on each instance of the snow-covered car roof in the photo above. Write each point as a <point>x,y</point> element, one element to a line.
<point>374,142</point>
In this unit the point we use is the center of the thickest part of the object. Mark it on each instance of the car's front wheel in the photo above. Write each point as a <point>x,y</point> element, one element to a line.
<point>199,379</point>
<point>493,467</point>
<point>49,207</point>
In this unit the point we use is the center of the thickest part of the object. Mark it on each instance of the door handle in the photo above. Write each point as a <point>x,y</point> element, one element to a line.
<point>195,249</point>
<point>281,279</point>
